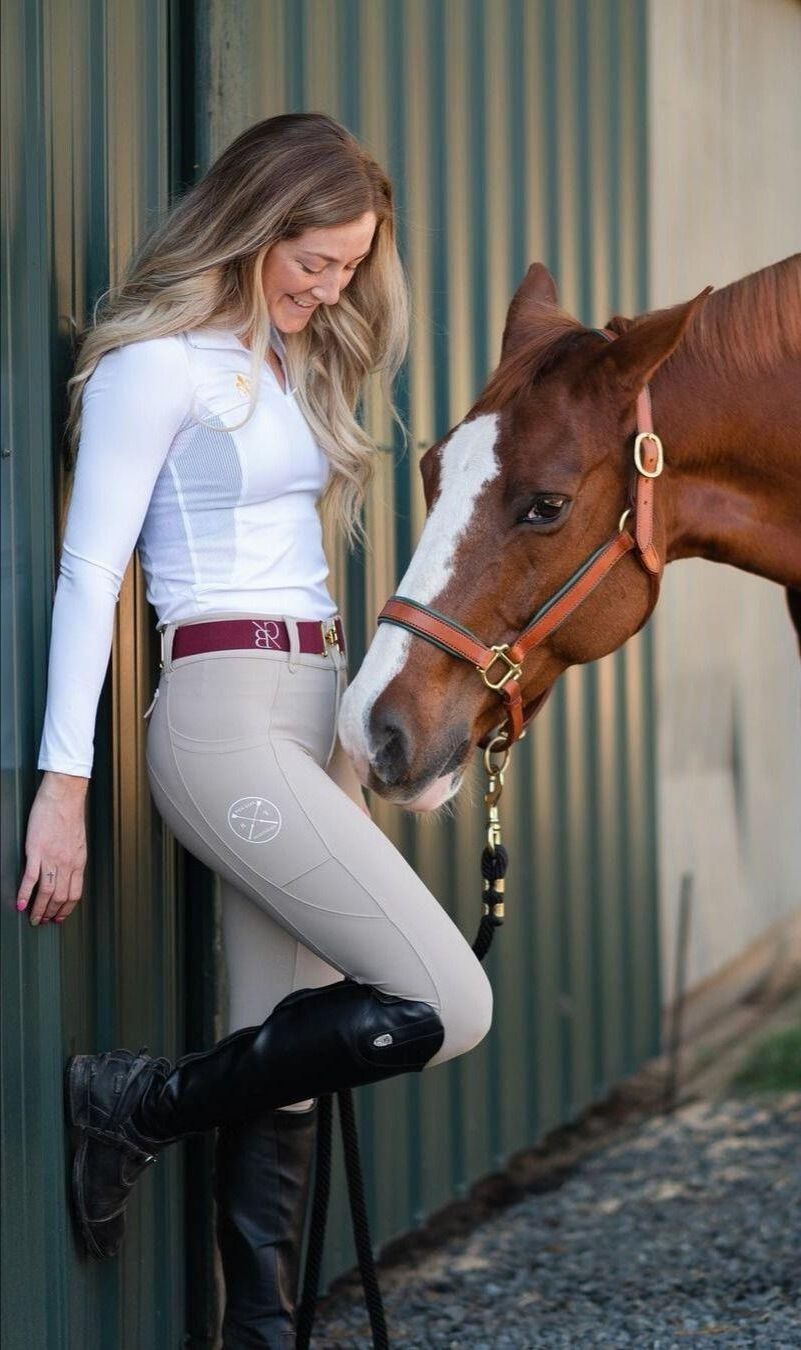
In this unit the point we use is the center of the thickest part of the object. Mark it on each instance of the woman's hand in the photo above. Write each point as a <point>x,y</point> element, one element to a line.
<point>55,848</point>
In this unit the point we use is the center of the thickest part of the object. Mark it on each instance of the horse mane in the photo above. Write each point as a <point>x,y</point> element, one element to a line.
<point>746,327</point>
<point>742,329</point>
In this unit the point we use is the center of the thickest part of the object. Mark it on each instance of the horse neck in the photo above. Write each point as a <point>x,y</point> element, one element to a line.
<point>732,488</point>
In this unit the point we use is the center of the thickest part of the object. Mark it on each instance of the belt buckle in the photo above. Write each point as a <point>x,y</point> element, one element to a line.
<point>330,636</point>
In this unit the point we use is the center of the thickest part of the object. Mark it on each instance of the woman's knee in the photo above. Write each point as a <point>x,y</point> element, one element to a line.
<point>466,1015</point>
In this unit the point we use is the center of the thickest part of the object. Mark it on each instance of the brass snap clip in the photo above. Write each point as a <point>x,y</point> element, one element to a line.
<point>495,775</point>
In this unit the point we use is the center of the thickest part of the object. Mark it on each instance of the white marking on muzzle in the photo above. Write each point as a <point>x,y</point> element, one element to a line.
<point>468,462</point>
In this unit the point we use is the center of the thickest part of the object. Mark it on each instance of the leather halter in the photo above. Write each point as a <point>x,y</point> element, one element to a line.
<point>501,666</point>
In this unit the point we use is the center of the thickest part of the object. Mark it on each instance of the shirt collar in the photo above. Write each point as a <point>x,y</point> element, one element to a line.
<point>225,337</point>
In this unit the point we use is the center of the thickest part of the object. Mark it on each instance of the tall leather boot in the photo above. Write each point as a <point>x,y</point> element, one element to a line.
<point>128,1106</point>
<point>261,1184</point>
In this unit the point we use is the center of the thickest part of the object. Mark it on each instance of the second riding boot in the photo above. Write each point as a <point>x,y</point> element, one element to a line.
<point>128,1106</point>
<point>261,1185</point>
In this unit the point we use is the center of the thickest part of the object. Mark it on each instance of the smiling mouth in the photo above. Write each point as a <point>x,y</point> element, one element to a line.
<point>302,304</point>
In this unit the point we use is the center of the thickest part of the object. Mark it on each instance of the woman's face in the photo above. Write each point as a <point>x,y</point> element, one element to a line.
<point>300,274</point>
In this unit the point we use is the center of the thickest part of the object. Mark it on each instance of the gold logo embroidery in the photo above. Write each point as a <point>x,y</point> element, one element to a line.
<point>243,385</point>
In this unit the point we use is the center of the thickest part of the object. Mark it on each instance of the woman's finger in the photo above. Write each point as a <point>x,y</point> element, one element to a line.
<point>75,893</point>
<point>47,885</point>
<point>59,896</point>
<point>29,880</point>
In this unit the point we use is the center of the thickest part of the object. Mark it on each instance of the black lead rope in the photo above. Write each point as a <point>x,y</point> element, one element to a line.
<point>494,862</point>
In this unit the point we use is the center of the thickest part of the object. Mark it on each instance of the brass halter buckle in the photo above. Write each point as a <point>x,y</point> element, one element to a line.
<point>660,454</point>
<point>513,669</point>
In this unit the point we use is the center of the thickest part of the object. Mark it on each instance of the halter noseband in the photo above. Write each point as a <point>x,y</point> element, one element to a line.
<point>501,666</point>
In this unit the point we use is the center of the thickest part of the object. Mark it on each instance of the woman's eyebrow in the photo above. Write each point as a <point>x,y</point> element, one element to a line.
<point>310,253</point>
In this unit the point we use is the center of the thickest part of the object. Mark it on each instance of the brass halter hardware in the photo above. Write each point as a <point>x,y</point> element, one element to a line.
<point>660,454</point>
<point>497,748</point>
<point>513,669</point>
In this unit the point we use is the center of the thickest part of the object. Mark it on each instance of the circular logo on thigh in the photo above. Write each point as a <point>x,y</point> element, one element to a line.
<point>255,819</point>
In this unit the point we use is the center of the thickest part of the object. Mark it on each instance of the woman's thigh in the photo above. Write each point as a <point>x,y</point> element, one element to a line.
<point>236,754</point>
<point>263,962</point>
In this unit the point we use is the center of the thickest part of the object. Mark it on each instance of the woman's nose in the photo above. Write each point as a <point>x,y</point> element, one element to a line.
<point>327,293</point>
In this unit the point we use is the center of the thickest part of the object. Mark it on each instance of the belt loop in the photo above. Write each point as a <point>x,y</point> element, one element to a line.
<point>166,634</point>
<point>339,689</point>
<point>338,657</point>
<point>294,643</point>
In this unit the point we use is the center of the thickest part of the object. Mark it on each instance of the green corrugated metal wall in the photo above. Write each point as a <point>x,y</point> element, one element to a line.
<point>87,130</point>
<point>513,130</point>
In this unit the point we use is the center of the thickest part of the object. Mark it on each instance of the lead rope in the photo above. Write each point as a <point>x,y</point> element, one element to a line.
<point>494,862</point>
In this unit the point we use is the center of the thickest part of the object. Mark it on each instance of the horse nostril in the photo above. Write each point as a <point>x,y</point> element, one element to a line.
<point>390,757</point>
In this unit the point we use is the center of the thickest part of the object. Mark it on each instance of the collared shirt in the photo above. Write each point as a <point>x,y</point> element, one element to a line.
<point>224,517</point>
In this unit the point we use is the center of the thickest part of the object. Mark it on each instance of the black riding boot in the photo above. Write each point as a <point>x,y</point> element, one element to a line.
<point>261,1185</point>
<point>314,1041</point>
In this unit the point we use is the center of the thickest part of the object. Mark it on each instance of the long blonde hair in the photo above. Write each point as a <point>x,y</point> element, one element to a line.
<point>202,266</point>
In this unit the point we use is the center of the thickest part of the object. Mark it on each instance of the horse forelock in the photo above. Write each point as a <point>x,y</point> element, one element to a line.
<point>543,336</point>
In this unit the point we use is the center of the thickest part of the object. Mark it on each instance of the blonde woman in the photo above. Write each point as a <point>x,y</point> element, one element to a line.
<point>214,411</point>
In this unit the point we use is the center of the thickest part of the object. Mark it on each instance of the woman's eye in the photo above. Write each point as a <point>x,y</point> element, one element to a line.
<point>546,506</point>
<point>308,270</point>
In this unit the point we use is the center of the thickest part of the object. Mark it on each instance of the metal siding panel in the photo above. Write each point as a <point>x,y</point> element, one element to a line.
<point>512,132</point>
<point>33,1211</point>
<point>87,82</point>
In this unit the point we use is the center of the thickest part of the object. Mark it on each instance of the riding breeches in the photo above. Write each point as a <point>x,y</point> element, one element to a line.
<point>312,890</point>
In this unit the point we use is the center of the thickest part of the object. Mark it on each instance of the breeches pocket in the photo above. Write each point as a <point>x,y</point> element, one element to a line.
<point>219,703</point>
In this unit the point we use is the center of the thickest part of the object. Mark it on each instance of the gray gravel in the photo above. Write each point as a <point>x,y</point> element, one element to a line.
<point>686,1233</point>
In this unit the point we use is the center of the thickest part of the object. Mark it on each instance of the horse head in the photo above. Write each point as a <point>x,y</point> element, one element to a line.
<point>518,495</point>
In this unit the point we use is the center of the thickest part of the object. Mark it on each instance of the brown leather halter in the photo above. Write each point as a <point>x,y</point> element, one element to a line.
<point>501,666</point>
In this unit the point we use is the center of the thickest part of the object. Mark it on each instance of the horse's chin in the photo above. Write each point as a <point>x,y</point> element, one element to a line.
<point>430,798</point>
<point>436,794</point>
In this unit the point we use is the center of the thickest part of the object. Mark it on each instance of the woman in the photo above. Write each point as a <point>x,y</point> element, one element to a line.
<point>214,408</point>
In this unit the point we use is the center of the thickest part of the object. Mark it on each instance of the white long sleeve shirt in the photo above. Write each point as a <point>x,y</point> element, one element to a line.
<point>222,519</point>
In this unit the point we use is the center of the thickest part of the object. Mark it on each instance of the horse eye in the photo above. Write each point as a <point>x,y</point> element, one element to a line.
<point>546,506</point>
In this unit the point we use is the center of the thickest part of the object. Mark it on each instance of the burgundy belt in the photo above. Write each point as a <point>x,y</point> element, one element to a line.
<point>315,636</point>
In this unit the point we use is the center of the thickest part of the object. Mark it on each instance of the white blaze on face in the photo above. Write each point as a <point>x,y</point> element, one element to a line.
<point>467,463</point>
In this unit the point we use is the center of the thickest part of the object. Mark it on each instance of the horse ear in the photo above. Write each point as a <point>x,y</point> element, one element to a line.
<point>537,288</point>
<point>640,351</point>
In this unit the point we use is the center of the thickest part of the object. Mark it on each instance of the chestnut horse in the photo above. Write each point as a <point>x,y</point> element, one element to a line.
<point>526,493</point>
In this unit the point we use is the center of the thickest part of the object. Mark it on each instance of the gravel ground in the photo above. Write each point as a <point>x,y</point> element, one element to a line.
<point>685,1233</point>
